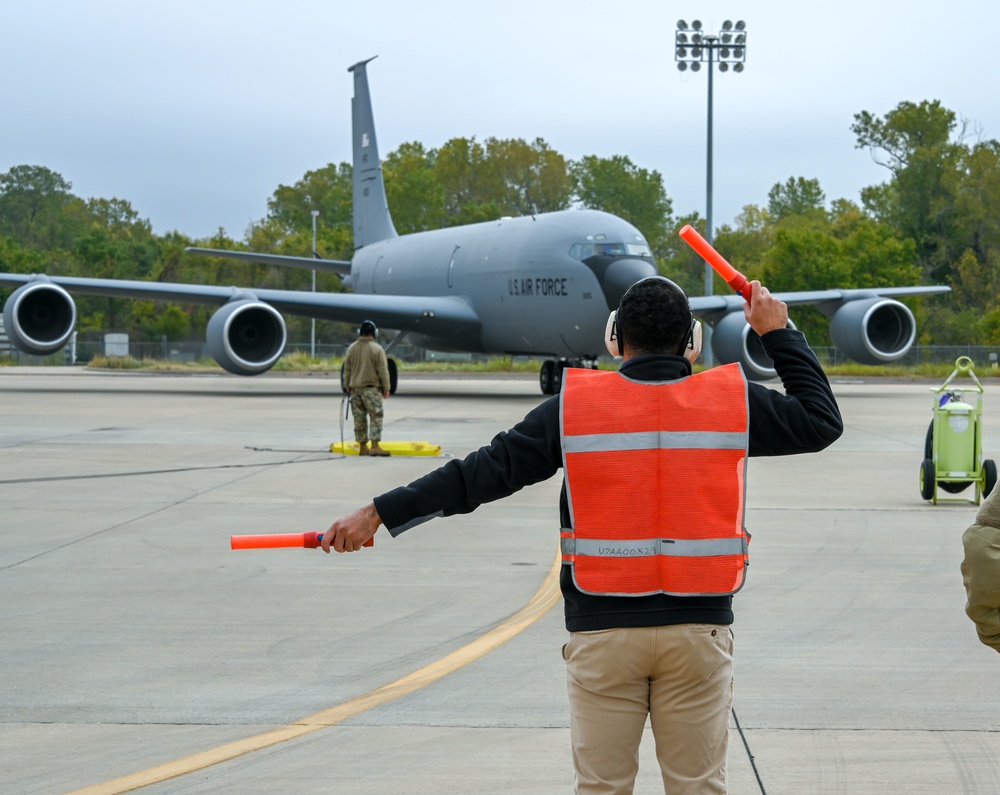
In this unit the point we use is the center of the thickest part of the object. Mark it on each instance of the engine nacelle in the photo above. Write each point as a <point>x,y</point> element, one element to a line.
<point>246,336</point>
<point>734,341</point>
<point>39,317</point>
<point>873,330</point>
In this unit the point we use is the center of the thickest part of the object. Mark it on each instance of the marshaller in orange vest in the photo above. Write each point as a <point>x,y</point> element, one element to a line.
<point>653,539</point>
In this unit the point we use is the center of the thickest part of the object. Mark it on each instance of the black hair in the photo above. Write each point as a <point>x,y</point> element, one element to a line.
<point>368,329</point>
<point>654,317</point>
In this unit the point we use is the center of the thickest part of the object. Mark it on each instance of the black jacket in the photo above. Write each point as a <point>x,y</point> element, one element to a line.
<point>803,420</point>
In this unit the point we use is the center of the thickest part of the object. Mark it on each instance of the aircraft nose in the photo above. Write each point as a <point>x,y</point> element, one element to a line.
<point>622,274</point>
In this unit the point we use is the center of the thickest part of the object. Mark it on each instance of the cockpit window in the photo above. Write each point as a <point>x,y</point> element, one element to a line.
<point>583,251</point>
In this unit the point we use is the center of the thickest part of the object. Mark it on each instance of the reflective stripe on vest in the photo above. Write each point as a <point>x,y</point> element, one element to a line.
<point>655,479</point>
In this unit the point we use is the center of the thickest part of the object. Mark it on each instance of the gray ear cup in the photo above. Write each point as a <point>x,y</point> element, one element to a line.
<point>693,348</point>
<point>612,339</point>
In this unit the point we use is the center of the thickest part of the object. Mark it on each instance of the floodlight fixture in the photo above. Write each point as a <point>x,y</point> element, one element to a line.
<point>694,44</point>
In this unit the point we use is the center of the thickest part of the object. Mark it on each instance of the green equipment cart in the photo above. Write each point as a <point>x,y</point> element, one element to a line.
<point>953,449</point>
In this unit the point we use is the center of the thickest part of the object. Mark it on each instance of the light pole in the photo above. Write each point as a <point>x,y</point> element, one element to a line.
<point>312,342</point>
<point>728,49</point>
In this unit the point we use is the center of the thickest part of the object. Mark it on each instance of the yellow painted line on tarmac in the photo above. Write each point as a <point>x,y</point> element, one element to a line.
<point>546,596</point>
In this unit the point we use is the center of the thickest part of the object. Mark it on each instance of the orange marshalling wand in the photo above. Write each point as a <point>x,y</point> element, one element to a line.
<point>276,540</point>
<point>733,277</point>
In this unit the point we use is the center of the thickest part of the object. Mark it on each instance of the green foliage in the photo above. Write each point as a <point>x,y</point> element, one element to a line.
<point>678,262</point>
<point>797,196</point>
<point>844,250</point>
<point>482,182</point>
<point>35,205</point>
<point>413,190</point>
<point>533,177</point>
<point>747,243</point>
<point>116,363</point>
<point>617,186</point>
<point>15,259</point>
<point>913,141</point>
<point>328,190</point>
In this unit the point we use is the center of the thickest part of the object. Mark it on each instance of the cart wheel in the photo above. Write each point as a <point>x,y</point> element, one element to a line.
<point>989,476</point>
<point>927,483</point>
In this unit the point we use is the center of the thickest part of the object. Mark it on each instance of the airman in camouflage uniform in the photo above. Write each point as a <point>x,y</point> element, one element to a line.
<point>366,376</point>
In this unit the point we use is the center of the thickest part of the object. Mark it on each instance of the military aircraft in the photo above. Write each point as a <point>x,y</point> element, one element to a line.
<point>540,285</point>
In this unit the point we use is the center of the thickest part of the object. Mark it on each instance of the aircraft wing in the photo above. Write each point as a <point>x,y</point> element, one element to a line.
<point>337,266</point>
<point>716,304</point>
<point>435,315</point>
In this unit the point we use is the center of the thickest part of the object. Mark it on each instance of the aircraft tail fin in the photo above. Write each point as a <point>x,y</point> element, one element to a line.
<point>372,221</point>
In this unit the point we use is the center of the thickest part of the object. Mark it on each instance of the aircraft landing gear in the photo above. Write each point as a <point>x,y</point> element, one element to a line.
<point>548,377</point>
<point>551,375</point>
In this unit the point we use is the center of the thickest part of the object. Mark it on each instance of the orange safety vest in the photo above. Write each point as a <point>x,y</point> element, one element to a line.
<point>655,476</point>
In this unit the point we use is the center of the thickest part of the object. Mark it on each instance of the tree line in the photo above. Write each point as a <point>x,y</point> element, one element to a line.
<point>935,220</point>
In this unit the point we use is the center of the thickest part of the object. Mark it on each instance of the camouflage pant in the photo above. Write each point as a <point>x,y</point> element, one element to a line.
<point>367,402</point>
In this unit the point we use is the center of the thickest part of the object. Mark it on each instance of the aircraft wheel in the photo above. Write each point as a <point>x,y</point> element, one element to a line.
<point>989,476</point>
<point>927,479</point>
<point>393,376</point>
<point>557,377</point>
<point>545,376</point>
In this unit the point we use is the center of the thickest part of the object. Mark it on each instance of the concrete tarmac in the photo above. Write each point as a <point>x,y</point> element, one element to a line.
<point>133,639</point>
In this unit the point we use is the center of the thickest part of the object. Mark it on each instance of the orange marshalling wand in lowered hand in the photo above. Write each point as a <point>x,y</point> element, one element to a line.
<point>276,540</point>
<point>733,277</point>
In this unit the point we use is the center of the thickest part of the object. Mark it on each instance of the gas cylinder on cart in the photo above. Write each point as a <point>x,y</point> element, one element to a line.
<point>956,431</point>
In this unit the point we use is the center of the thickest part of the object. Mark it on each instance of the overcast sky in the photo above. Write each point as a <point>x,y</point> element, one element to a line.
<point>195,112</point>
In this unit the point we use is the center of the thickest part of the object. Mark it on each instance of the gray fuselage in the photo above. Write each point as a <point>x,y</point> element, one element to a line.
<point>534,281</point>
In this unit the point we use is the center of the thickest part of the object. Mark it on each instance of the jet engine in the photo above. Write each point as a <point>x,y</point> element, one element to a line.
<point>873,330</point>
<point>246,336</point>
<point>734,341</point>
<point>39,317</point>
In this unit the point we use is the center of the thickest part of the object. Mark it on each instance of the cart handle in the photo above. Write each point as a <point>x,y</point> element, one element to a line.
<point>963,367</point>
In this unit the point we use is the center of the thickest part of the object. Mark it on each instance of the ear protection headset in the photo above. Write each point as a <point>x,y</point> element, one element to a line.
<point>691,346</point>
<point>367,328</point>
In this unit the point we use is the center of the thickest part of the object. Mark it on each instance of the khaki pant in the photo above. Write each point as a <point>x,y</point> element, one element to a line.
<point>681,676</point>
